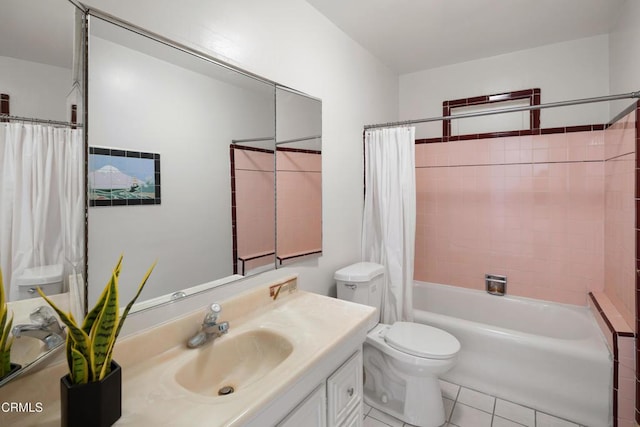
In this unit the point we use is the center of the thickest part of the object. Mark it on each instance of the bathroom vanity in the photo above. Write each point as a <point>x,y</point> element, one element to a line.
<point>293,360</point>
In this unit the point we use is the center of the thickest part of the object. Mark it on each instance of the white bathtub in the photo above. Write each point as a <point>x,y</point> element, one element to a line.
<point>548,356</point>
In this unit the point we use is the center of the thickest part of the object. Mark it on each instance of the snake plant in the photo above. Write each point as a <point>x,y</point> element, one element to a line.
<point>5,328</point>
<point>90,345</point>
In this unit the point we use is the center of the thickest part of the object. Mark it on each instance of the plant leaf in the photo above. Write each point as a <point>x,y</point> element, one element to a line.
<point>5,345</point>
<point>104,329</point>
<point>79,371</point>
<point>5,363</point>
<point>127,309</point>
<point>93,314</point>
<point>4,333</point>
<point>3,299</point>
<point>81,340</point>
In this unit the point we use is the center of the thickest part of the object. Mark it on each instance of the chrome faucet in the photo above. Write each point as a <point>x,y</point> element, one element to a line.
<point>210,329</point>
<point>45,327</point>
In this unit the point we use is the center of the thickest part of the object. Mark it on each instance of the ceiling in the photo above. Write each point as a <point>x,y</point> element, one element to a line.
<point>38,31</point>
<point>407,35</point>
<point>412,35</point>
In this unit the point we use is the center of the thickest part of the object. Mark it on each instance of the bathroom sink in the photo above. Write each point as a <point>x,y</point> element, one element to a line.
<point>231,363</point>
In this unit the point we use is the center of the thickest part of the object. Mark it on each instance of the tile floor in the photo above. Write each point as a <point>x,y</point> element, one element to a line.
<point>468,408</point>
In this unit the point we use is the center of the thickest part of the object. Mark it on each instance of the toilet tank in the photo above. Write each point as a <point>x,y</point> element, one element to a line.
<point>49,277</point>
<point>361,283</point>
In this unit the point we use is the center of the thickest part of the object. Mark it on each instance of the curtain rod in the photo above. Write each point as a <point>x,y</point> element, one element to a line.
<point>307,138</point>
<point>266,138</point>
<point>507,110</point>
<point>32,120</point>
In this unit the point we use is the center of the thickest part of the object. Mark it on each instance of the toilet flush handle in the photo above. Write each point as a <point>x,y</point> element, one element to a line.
<point>351,286</point>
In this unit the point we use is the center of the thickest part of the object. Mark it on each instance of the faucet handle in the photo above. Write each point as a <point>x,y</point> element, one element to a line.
<point>42,315</point>
<point>212,315</point>
<point>215,308</point>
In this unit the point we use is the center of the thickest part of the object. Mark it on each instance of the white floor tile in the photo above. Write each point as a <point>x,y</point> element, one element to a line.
<point>385,418</point>
<point>449,390</point>
<point>372,422</point>
<point>503,422</point>
<point>515,412</point>
<point>468,408</point>
<point>365,408</point>
<point>448,408</point>
<point>546,420</point>
<point>476,399</point>
<point>466,416</point>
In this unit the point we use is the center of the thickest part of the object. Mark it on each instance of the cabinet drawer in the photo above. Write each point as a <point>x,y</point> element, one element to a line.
<point>344,390</point>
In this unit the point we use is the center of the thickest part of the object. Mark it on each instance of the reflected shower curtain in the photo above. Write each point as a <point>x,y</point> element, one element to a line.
<point>41,198</point>
<point>389,223</point>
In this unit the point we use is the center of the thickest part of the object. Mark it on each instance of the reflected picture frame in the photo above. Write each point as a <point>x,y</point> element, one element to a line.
<point>123,177</point>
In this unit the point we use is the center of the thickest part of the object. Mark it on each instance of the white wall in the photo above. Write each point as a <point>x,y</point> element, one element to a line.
<point>288,41</point>
<point>624,53</point>
<point>35,90</point>
<point>563,71</point>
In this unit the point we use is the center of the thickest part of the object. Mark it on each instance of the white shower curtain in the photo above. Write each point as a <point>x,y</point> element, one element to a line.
<point>41,198</point>
<point>389,222</point>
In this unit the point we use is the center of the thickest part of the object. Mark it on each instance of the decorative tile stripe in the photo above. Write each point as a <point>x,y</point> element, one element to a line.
<point>525,132</point>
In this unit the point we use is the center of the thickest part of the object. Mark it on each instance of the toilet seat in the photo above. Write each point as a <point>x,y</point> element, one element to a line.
<point>422,340</point>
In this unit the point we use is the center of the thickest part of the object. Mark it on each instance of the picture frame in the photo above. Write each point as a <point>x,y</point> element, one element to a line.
<point>123,178</point>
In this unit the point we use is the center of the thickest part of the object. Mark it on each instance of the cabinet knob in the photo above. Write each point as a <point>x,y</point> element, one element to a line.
<point>350,391</point>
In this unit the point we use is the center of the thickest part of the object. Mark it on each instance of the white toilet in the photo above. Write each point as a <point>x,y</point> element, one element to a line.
<point>49,277</point>
<point>402,361</point>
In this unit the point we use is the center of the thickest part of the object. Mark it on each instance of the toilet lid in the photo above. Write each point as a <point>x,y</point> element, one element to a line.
<point>422,340</point>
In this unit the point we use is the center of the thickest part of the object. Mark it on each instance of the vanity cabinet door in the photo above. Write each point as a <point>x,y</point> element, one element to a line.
<point>311,412</point>
<point>353,420</point>
<point>344,392</point>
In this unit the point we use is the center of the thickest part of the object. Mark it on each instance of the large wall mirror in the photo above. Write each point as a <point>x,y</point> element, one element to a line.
<point>42,191</point>
<point>161,124</point>
<point>298,176</point>
<point>181,162</point>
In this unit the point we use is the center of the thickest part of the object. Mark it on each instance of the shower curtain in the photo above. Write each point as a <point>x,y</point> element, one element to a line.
<point>41,199</point>
<point>389,222</point>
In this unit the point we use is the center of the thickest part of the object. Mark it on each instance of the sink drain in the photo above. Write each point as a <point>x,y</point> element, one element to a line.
<point>225,390</point>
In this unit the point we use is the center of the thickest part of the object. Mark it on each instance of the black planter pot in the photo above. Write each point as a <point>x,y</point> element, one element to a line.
<point>96,404</point>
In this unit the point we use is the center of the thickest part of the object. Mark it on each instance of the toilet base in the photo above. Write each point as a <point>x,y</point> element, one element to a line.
<point>416,400</point>
<point>424,406</point>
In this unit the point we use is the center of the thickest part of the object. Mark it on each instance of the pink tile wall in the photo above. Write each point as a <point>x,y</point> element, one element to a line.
<point>299,201</point>
<point>529,207</point>
<point>255,209</point>
<point>619,258</point>
<point>626,381</point>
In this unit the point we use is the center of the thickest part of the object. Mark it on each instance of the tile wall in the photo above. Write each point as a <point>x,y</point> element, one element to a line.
<point>530,207</point>
<point>620,215</point>
<point>299,202</point>
<point>253,208</point>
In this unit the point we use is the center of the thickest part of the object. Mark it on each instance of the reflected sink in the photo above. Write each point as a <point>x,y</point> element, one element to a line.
<point>233,361</point>
<point>26,350</point>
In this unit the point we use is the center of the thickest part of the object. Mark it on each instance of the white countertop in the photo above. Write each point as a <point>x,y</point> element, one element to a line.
<point>316,325</point>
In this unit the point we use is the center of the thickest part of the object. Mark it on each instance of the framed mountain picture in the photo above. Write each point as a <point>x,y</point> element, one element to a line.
<point>123,177</point>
